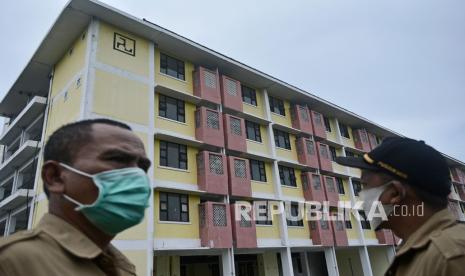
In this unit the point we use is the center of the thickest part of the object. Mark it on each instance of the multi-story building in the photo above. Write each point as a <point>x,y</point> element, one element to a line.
<point>217,132</point>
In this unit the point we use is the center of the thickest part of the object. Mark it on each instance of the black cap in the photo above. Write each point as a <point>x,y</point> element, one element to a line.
<point>413,161</point>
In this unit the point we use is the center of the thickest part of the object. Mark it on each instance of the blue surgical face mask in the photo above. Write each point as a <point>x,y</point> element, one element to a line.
<point>122,199</point>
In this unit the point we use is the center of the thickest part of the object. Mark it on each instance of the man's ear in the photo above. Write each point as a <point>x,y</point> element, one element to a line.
<point>397,192</point>
<point>52,177</point>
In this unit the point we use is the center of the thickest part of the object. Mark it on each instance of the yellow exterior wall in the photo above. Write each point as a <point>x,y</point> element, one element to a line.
<point>269,231</point>
<point>263,147</point>
<point>288,154</point>
<point>348,262</point>
<point>352,234</point>
<point>121,98</point>
<point>332,136</point>
<point>138,232</point>
<point>139,259</point>
<point>294,191</point>
<point>346,195</point>
<point>264,187</point>
<point>171,230</point>
<point>283,120</point>
<point>355,172</point>
<point>188,176</point>
<point>369,234</point>
<point>186,86</point>
<point>186,129</point>
<point>138,64</point>
<point>65,108</point>
<point>40,209</point>
<point>379,259</point>
<point>70,64</point>
<point>268,264</point>
<point>339,169</point>
<point>349,142</point>
<point>258,110</point>
<point>299,232</point>
<point>167,266</point>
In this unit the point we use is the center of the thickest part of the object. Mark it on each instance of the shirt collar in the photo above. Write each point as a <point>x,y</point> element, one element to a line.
<point>78,244</point>
<point>432,227</point>
<point>69,237</point>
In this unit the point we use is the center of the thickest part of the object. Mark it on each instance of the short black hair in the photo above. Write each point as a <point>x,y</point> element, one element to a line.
<point>63,144</point>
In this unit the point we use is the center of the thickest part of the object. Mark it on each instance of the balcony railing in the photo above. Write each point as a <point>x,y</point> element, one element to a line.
<point>234,132</point>
<point>301,118</point>
<point>239,177</point>
<point>207,84</point>
<point>307,152</point>
<point>209,126</point>
<point>243,229</point>
<point>215,225</point>
<point>231,96</point>
<point>212,174</point>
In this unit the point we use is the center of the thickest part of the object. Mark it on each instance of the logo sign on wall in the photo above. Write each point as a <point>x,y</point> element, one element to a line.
<point>124,44</point>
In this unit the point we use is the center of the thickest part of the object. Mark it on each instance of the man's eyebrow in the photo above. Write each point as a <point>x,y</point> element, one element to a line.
<point>117,152</point>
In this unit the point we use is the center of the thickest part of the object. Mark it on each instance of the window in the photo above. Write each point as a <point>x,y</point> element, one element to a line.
<point>327,124</point>
<point>174,207</point>
<point>253,131</point>
<point>173,155</point>
<point>294,213</point>
<point>171,108</point>
<point>257,170</point>
<point>340,185</point>
<point>316,180</point>
<point>351,154</point>
<point>263,211</point>
<point>332,150</point>
<point>344,130</point>
<point>363,220</point>
<point>357,187</point>
<point>213,119</point>
<point>172,67</point>
<point>277,106</point>
<point>348,224</point>
<point>249,95</point>
<point>281,139</point>
<point>287,176</point>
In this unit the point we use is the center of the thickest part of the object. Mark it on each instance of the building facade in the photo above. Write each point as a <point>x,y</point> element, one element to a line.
<point>217,132</point>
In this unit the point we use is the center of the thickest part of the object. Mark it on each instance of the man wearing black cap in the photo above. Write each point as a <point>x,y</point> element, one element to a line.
<point>408,175</point>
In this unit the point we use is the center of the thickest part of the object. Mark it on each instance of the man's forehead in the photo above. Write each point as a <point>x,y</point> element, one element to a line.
<point>110,136</point>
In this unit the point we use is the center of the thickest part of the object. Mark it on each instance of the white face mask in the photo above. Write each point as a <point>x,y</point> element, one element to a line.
<point>370,198</point>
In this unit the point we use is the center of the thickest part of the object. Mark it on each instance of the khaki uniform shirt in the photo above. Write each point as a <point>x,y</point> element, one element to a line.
<point>437,248</point>
<point>55,247</point>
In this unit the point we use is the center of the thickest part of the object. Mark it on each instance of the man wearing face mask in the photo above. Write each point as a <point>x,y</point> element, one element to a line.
<point>94,175</point>
<point>411,180</point>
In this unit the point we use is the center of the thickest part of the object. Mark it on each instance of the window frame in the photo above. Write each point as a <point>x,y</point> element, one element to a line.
<point>182,155</point>
<point>344,130</point>
<point>164,60</point>
<point>332,153</point>
<point>261,170</point>
<point>357,184</point>
<point>257,135</point>
<point>180,108</point>
<point>327,124</point>
<point>183,200</point>
<point>277,106</point>
<point>269,220</point>
<point>286,139</point>
<point>249,95</point>
<point>298,223</point>
<point>340,186</point>
<point>283,180</point>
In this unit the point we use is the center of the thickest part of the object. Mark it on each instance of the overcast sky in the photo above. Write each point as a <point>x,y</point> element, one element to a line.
<point>398,63</point>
